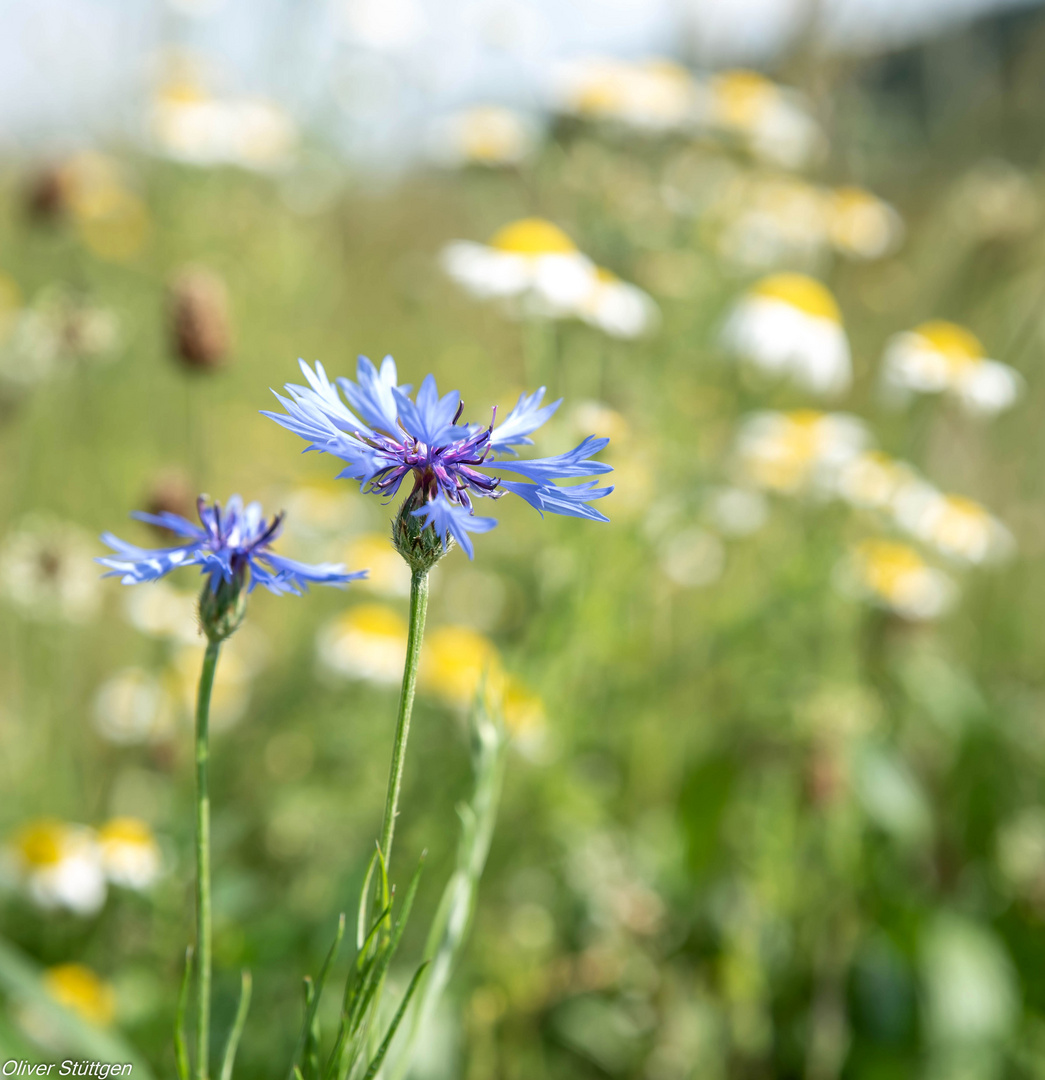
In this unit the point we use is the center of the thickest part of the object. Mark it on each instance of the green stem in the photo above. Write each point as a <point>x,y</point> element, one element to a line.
<point>418,607</point>
<point>203,920</point>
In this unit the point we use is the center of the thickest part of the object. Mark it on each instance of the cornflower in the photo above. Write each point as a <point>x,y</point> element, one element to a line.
<point>232,547</point>
<point>389,437</point>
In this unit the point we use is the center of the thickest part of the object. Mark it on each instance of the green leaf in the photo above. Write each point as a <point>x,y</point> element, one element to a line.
<point>237,1027</point>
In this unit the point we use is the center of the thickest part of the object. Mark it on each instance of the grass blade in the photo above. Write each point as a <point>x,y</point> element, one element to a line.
<point>382,1050</point>
<point>181,1045</point>
<point>312,996</point>
<point>237,1027</point>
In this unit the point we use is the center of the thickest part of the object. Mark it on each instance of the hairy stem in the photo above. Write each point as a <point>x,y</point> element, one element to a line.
<point>203,919</point>
<point>418,608</point>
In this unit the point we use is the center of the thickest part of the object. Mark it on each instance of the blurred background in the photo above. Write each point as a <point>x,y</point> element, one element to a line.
<point>774,805</point>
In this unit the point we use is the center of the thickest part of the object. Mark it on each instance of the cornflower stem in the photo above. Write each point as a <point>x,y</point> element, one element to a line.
<point>418,609</point>
<point>203,912</point>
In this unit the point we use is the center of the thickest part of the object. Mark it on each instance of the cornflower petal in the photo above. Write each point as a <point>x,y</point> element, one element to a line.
<point>575,462</point>
<point>447,517</point>
<point>430,419</point>
<point>568,501</point>
<point>371,394</point>
<point>523,420</point>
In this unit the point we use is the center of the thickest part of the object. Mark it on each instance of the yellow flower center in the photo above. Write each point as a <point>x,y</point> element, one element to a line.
<point>958,346</point>
<point>126,830</point>
<point>887,566</point>
<point>533,236</point>
<point>41,842</point>
<point>741,96</point>
<point>801,292</point>
<point>78,988</point>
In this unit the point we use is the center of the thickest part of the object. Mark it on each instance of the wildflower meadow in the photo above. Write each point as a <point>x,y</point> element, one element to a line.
<point>647,675</point>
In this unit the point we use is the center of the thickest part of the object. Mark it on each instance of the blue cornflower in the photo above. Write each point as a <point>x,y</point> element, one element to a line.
<point>230,545</point>
<point>384,436</point>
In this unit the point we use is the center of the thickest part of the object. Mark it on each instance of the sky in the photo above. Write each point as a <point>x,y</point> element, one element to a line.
<point>371,71</point>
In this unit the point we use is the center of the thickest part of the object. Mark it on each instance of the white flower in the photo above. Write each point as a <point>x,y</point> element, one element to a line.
<point>894,576</point>
<point>484,135</point>
<point>875,481</point>
<point>130,854</point>
<point>772,220</point>
<point>789,324</point>
<point>59,865</point>
<point>942,357</point>
<point>799,451</point>
<point>771,121</point>
<point>134,707</point>
<point>162,611</point>
<point>863,226</point>
<point>647,95</point>
<point>191,126</point>
<point>617,308</point>
<point>47,570</point>
<point>957,527</point>
<point>531,260</point>
<point>367,642</point>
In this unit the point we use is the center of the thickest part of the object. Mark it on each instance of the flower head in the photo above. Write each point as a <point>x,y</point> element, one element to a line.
<point>790,323</point>
<point>59,865</point>
<point>78,988</point>
<point>942,357</point>
<point>384,436</point>
<point>228,543</point>
<point>894,576</point>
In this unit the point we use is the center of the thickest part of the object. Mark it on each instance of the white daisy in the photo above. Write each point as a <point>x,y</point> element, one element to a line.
<point>942,357</point>
<point>801,451</point>
<point>790,324</point>
<point>894,576</point>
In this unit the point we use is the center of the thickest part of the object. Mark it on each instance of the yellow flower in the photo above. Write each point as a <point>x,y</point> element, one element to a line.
<point>78,988</point>
<point>130,854</point>
<point>366,642</point>
<point>791,324</point>
<point>940,356</point>
<point>893,575</point>
<point>456,661</point>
